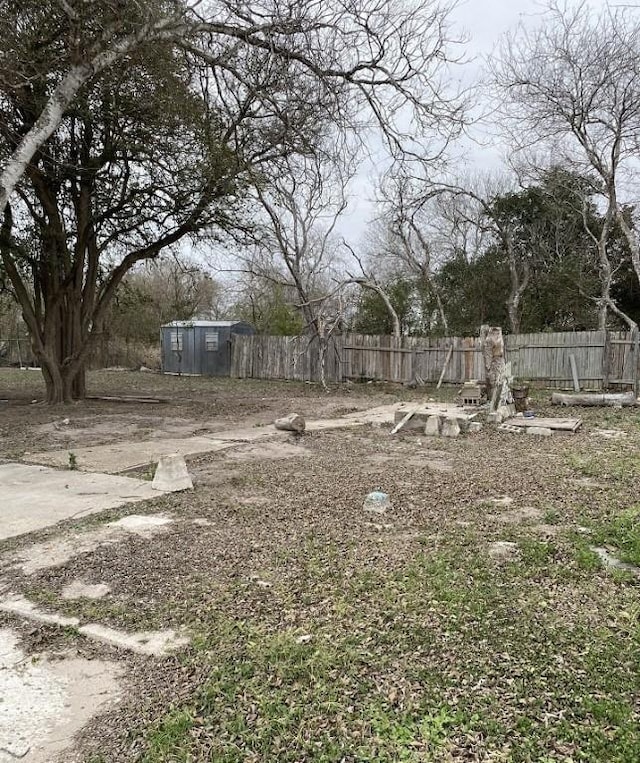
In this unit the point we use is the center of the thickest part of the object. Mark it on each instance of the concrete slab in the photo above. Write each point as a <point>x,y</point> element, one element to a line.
<point>124,456</point>
<point>152,643</point>
<point>62,548</point>
<point>34,497</point>
<point>78,589</point>
<point>46,702</point>
<point>18,605</point>
<point>128,455</point>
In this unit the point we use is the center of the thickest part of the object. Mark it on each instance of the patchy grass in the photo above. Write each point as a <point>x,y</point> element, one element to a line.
<point>622,533</point>
<point>431,662</point>
<point>323,634</point>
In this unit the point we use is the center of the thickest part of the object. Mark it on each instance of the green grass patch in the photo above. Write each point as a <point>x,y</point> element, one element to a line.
<point>622,533</point>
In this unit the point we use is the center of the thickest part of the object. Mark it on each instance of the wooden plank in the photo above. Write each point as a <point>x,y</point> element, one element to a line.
<point>444,367</point>
<point>404,420</point>
<point>564,425</point>
<point>574,372</point>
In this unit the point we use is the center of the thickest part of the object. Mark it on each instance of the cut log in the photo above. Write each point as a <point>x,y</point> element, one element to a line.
<point>608,398</point>
<point>294,422</point>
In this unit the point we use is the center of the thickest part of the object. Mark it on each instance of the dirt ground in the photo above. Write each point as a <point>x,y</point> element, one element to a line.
<point>472,621</point>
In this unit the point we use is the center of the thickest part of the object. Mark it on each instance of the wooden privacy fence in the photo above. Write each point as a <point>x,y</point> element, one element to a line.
<point>601,358</point>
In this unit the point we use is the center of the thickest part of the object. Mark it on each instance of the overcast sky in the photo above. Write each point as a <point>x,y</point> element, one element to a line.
<point>483,22</point>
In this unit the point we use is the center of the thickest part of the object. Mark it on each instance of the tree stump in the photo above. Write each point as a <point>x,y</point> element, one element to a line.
<point>493,355</point>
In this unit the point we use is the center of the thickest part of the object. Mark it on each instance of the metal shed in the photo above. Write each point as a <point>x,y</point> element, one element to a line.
<point>201,348</point>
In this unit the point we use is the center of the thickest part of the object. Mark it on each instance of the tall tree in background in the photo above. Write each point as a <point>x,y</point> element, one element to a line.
<point>572,85</point>
<point>125,127</point>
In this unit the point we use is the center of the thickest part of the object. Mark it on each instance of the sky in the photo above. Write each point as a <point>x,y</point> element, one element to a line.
<point>483,23</point>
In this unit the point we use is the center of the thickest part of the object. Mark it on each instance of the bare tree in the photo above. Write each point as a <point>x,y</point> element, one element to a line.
<point>296,247</point>
<point>367,279</point>
<point>386,56</point>
<point>573,85</point>
<point>416,242</point>
<point>274,80</point>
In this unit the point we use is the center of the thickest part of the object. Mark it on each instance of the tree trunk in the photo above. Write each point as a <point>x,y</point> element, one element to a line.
<point>63,383</point>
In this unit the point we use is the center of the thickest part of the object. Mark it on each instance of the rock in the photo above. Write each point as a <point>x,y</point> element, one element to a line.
<point>540,431</point>
<point>475,427</point>
<point>146,370</point>
<point>495,417</point>
<point>294,422</point>
<point>450,427</point>
<point>432,427</point>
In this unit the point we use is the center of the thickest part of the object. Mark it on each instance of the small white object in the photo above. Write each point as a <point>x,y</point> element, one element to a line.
<point>377,502</point>
<point>171,474</point>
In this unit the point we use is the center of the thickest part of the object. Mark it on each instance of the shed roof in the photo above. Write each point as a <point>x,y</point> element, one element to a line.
<point>211,324</point>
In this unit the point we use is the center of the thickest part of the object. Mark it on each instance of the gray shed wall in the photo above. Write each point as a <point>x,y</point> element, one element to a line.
<point>198,353</point>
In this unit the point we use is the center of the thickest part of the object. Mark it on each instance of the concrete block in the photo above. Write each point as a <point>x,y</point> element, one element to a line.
<point>475,427</point>
<point>433,426</point>
<point>171,474</point>
<point>540,431</point>
<point>450,427</point>
<point>495,417</point>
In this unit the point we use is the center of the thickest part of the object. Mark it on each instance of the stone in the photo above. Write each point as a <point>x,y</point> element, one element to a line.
<point>540,431</point>
<point>475,427</point>
<point>495,417</point>
<point>450,427</point>
<point>171,474</point>
<point>294,422</point>
<point>432,427</point>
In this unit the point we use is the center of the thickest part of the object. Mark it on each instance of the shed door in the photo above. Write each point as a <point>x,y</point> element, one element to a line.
<point>213,352</point>
<point>181,355</point>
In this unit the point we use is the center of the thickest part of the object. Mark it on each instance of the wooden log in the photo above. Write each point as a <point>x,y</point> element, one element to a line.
<point>611,398</point>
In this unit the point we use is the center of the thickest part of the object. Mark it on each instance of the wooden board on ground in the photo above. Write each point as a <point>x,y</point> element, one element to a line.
<point>563,425</point>
<point>127,399</point>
